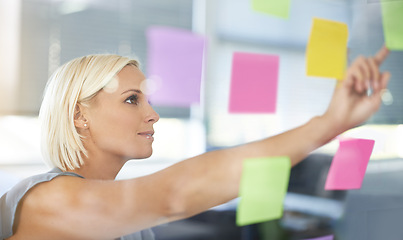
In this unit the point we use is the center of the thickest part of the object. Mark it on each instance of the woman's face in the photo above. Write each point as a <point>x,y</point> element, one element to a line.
<point>120,118</point>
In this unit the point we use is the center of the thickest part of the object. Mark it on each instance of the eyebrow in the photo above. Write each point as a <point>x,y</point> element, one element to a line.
<point>132,90</point>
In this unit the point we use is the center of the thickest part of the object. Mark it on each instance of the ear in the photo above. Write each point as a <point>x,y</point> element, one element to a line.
<point>79,119</point>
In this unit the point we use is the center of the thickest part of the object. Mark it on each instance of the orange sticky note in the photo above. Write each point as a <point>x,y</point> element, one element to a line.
<point>326,53</point>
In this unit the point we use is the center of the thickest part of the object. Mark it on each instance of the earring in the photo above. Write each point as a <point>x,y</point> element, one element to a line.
<point>85,125</point>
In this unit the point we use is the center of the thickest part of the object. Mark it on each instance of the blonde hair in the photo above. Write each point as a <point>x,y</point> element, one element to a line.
<point>77,81</point>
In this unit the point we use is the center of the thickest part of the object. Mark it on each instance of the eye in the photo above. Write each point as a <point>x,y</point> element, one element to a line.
<point>133,99</point>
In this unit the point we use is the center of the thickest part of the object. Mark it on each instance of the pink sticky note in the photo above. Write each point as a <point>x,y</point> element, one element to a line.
<point>349,164</point>
<point>329,237</point>
<point>174,66</point>
<point>254,81</point>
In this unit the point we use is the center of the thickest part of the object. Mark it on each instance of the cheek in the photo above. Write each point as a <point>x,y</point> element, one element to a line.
<point>119,128</point>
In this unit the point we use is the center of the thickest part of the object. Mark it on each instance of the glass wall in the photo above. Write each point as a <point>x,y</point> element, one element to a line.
<point>37,36</point>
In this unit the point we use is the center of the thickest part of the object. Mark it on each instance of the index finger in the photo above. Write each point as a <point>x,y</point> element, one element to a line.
<point>381,55</point>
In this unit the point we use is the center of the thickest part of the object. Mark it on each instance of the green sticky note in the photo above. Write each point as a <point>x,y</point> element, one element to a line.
<point>262,189</point>
<point>326,51</point>
<point>392,20</point>
<point>278,8</point>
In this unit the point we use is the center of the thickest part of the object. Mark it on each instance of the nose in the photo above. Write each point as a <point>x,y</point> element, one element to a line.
<point>153,116</point>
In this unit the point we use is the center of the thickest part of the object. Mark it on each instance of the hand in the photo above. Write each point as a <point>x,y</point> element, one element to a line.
<point>350,104</point>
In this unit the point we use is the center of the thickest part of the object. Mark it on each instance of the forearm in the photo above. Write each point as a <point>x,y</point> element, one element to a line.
<point>296,143</point>
<point>213,178</point>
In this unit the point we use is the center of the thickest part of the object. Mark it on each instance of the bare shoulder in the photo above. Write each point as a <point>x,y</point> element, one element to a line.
<point>69,207</point>
<point>40,205</point>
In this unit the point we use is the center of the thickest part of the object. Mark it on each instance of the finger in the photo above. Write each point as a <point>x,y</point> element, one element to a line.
<point>357,79</point>
<point>383,85</point>
<point>360,72</point>
<point>354,80</point>
<point>374,73</point>
<point>381,55</point>
<point>385,76</point>
<point>375,101</point>
<point>364,68</point>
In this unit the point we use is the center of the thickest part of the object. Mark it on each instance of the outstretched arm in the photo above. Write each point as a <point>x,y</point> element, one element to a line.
<point>218,173</point>
<point>73,208</point>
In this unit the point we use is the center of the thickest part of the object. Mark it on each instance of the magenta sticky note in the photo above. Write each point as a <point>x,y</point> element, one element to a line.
<point>328,237</point>
<point>174,66</point>
<point>254,81</point>
<point>349,164</point>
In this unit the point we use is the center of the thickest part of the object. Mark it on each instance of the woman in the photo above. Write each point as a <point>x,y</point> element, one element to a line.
<point>96,117</point>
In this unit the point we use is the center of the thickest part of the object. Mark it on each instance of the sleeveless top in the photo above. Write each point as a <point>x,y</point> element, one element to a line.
<point>9,202</point>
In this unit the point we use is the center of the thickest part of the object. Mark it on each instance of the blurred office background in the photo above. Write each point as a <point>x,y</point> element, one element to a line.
<point>37,36</point>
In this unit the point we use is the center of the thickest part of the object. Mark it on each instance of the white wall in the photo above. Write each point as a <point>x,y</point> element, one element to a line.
<point>10,17</point>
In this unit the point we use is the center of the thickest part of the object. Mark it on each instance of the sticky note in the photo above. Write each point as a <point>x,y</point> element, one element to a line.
<point>174,66</point>
<point>329,237</point>
<point>254,82</point>
<point>392,20</point>
<point>262,189</point>
<point>273,7</point>
<point>349,164</point>
<point>326,52</point>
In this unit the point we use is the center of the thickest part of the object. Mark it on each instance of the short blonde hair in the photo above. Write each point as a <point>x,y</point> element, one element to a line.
<point>77,81</point>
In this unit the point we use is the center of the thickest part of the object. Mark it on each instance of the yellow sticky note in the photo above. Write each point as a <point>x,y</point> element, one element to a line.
<point>278,8</point>
<point>263,186</point>
<point>326,53</point>
<point>392,21</point>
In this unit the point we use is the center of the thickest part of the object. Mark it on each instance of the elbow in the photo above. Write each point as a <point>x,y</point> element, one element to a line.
<point>176,205</point>
<point>182,201</point>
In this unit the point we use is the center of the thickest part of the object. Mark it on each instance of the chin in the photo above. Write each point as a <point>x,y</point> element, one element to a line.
<point>142,156</point>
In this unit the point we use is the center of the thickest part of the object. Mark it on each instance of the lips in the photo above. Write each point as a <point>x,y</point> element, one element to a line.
<point>147,134</point>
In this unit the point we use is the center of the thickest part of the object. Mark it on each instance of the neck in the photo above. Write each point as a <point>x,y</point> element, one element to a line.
<point>100,167</point>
